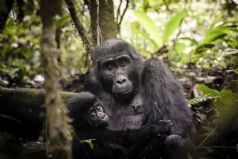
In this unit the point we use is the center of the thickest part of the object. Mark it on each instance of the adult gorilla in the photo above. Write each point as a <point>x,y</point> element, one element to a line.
<point>137,92</point>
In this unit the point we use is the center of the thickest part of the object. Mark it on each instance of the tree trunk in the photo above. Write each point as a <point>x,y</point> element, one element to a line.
<point>5,8</point>
<point>57,122</point>
<point>106,19</point>
<point>21,111</point>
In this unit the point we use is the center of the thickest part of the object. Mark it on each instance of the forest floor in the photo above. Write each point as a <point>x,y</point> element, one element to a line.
<point>211,141</point>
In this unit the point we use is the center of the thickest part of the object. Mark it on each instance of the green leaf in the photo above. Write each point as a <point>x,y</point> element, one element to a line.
<point>89,142</point>
<point>227,105</point>
<point>178,51</point>
<point>61,21</point>
<point>235,71</point>
<point>172,25</point>
<point>135,29</point>
<point>214,34</point>
<point>208,91</point>
<point>148,24</point>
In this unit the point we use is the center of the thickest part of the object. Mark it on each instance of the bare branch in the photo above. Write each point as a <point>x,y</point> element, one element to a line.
<point>118,11</point>
<point>123,14</point>
<point>87,41</point>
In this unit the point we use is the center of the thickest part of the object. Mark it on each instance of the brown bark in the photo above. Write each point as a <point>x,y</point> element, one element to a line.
<point>21,111</point>
<point>57,122</point>
<point>5,8</point>
<point>82,32</point>
<point>107,22</point>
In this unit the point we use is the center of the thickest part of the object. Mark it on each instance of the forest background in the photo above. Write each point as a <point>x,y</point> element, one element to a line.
<point>197,39</point>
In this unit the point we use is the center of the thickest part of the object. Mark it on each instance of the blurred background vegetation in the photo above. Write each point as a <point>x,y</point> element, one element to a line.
<point>186,33</point>
<point>198,39</point>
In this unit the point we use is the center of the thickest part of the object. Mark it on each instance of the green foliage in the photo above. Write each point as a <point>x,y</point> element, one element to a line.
<point>218,34</point>
<point>172,25</point>
<point>89,142</point>
<point>200,40</point>
<point>146,27</point>
<point>178,53</point>
<point>135,26</point>
<point>62,21</point>
<point>148,24</point>
<point>226,102</point>
<point>19,49</point>
<point>208,91</point>
<point>191,31</point>
<point>200,100</point>
<point>236,71</point>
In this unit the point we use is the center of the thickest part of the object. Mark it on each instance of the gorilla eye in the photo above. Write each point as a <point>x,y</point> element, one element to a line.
<point>92,114</point>
<point>123,61</point>
<point>108,66</point>
<point>99,108</point>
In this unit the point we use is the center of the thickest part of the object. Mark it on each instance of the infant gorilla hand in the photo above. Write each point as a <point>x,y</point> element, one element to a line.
<point>160,128</point>
<point>165,127</point>
<point>151,136</point>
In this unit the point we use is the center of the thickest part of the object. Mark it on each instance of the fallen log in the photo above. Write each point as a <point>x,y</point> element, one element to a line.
<point>22,111</point>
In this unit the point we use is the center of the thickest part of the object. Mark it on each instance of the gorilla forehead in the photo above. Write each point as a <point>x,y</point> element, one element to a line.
<point>113,48</point>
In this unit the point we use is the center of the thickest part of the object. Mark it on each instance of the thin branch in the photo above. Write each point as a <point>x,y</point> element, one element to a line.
<point>206,138</point>
<point>99,35</point>
<point>219,147</point>
<point>87,41</point>
<point>118,11</point>
<point>123,14</point>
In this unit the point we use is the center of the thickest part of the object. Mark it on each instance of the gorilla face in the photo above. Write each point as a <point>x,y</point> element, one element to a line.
<point>115,73</point>
<point>87,111</point>
<point>118,68</point>
<point>96,116</point>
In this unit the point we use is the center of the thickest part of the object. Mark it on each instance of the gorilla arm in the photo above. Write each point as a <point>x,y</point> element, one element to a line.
<point>164,100</point>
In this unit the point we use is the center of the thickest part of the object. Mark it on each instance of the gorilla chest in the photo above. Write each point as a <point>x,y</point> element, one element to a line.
<point>128,116</point>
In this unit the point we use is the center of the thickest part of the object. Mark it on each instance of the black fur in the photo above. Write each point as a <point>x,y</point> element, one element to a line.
<point>107,143</point>
<point>155,96</point>
<point>94,129</point>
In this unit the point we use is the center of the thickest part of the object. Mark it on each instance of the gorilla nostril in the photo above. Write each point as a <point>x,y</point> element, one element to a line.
<point>121,81</point>
<point>136,107</point>
<point>103,116</point>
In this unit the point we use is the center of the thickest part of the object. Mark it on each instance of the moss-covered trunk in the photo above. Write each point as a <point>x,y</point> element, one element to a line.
<point>107,22</point>
<point>57,126</point>
<point>21,111</point>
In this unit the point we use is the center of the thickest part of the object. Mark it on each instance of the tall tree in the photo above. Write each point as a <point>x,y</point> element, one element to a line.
<point>105,18</point>
<point>57,127</point>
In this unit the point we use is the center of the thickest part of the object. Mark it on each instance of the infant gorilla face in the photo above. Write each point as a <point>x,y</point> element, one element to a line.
<point>97,116</point>
<point>87,111</point>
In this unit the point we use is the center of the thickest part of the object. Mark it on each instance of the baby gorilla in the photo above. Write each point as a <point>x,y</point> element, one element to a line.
<point>87,112</point>
<point>90,122</point>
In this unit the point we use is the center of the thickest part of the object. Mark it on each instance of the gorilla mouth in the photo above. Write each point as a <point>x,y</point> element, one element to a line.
<point>123,91</point>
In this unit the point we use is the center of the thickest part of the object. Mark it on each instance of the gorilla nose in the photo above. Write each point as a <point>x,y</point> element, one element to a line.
<point>136,107</point>
<point>121,80</point>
